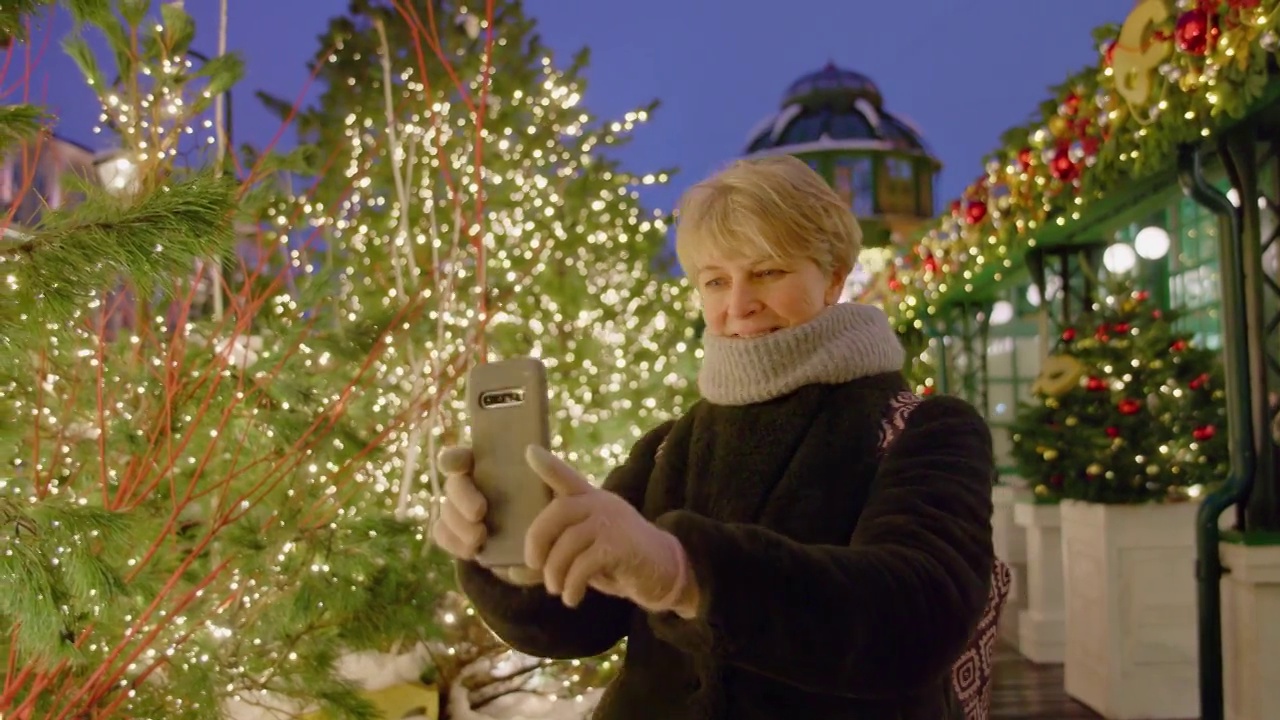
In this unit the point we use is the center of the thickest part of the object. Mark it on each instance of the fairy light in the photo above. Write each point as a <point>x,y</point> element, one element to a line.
<point>605,348</point>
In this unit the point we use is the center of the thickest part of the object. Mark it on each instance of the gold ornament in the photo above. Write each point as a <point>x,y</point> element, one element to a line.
<point>1153,470</point>
<point>1059,375</point>
<point>1094,469</point>
<point>1059,126</point>
<point>1072,421</point>
<point>1050,455</point>
<point>1138,52</point>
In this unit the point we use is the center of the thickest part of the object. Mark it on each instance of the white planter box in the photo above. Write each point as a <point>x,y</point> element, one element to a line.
<point>1011,547</point>
<point>1041,635</point>
<point>1250,632</point>
<point>1129,575</point>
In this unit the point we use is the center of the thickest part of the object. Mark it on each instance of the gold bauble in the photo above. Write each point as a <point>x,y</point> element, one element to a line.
<point>1094,469</point>
<point>1059,125</point>
<point>1050,455</point>
<point>1153,470</point>
<point>1157,364</point>
<point>1059,375</point>
<point>1072,421</point>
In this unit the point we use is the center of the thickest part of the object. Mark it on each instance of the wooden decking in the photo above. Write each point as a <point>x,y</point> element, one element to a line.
<point>1025,691</point>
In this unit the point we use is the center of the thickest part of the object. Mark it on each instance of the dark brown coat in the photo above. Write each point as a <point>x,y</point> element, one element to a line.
<point>834,585</point>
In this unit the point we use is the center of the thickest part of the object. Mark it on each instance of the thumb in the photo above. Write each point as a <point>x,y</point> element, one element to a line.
<point>556,473</point>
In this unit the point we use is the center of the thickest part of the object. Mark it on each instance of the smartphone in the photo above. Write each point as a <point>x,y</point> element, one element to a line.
<point>507,402</point>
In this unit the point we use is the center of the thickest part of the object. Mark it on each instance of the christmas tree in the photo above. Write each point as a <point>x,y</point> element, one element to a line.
<point>217,476</point>
<point>531,242</point>
<point>1128,410</point>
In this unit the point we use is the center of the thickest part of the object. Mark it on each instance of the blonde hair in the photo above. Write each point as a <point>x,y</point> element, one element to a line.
<point>775,206</point>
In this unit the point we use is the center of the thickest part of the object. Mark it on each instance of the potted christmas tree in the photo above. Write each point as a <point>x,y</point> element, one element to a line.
<point>1126,430</point>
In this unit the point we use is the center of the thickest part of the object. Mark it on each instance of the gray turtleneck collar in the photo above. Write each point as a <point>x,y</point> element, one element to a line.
<point>844,342</point>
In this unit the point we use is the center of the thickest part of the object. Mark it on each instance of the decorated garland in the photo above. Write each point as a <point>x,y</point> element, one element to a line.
<point>1173,72</point>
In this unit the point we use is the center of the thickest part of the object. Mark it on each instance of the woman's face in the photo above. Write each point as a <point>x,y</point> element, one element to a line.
<point>745,298</point>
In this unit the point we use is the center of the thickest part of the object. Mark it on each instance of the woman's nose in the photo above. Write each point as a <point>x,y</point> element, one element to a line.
<point>743,301</point>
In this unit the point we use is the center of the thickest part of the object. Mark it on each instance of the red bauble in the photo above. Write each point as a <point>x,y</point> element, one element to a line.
<point>1129,406</point>
<point>1068,335</point>
<point>1204,432</point>
<point>1196,32</point>
<point>1113,432</point>
<point>1062,166</point>
<point>1109,55</point>
<point>1102,334</point>
<point>1071,104</point>
<point>976,212</point>
<point>1199,381</point>
<point>1141,295</point>
<point>1120,328</point>
<point>1024,158</point>
<point>1178,346</point>
<point>928,390</point>
<point>956,207</point>
<point>1095,384</point>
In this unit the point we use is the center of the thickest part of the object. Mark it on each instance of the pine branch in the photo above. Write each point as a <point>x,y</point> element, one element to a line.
<point>46,599</point>
<point>62,267</point>
<point>13,16</point>
<point>20,122</point>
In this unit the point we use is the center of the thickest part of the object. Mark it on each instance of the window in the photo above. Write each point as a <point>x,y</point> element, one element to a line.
<point>853,183</point>
<point>1013,362</point>
<point>896,186</point>
<point>1193,267</point>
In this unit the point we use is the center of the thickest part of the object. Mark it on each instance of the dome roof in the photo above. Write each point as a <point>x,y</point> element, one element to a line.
<point>833,109</point>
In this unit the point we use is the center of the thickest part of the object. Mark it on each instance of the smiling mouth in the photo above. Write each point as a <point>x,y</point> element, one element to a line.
<point>750,336</point>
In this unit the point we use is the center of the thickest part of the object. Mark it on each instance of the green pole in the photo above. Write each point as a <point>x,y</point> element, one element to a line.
<point>1239,429</point>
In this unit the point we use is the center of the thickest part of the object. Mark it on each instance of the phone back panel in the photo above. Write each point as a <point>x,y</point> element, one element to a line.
<point>507,401</point>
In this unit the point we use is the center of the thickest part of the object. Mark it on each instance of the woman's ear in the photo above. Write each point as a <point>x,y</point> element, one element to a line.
<point>835,288</point>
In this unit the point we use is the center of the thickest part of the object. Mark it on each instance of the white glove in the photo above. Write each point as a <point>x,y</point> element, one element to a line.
<point>460,531</point>
<point>588,537</point>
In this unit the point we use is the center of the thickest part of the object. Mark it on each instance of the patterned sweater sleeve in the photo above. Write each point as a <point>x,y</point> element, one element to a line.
<point>534,622</point>
<point>885,615</point>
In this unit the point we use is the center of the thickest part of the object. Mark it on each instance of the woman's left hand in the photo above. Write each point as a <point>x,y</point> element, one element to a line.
<point>588,537</point>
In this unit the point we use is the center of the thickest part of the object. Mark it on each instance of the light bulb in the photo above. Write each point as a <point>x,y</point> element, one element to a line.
<point>1119,259</point>
<point>1152,242</point>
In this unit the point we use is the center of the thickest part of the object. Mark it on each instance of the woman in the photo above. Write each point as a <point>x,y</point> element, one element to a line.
<point>763,556</point>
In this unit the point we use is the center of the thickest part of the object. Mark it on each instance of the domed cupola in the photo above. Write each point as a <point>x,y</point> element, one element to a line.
<point>835,120</point>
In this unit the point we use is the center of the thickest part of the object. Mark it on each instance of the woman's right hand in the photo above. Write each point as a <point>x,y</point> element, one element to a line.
<point>460,529</point>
